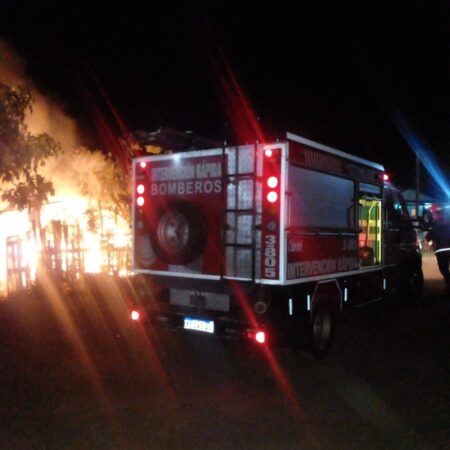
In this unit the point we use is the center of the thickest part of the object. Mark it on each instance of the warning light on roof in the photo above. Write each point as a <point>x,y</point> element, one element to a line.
<point>268,152</point>
<point>385,177</point>
<point>143,165</point>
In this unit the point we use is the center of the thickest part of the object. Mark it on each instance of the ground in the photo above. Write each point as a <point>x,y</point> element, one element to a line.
<point>74,376</point>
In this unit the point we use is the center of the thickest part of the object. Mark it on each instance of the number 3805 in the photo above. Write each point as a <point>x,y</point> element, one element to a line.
<point>270,256</point>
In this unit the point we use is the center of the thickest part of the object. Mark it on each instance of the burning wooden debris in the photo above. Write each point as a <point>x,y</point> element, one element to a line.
<point>65,210</point>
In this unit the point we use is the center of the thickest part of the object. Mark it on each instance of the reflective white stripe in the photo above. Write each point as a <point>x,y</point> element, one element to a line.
<point>345,294</point>
<point>443,250</point>
<point>329,275</point>
<point>384,283</point>
<point>291,310</point>
<point>308,302</point>
<point>179,274</point>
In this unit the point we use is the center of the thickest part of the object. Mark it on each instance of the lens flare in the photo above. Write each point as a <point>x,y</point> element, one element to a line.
<point>425,155</point>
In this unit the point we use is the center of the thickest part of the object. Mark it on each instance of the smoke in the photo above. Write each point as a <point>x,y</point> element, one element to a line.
<point>82,173</point>
<point>86,185</point>
<point>76,172</point>
<point>47,115</point>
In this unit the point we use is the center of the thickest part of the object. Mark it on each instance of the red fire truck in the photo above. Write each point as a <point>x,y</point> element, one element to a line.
<point>265,240</point>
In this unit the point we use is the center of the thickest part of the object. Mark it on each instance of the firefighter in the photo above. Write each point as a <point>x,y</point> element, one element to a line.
<point>438,236</point>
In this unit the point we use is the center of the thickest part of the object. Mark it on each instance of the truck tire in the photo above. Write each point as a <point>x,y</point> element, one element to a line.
<point>411,285</point>
<point>322,328</point>
<point>179,233</point>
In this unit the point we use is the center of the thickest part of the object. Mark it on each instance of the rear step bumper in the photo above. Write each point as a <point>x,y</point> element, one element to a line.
<point>220,327</point>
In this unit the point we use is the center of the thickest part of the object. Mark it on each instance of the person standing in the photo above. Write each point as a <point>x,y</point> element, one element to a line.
<point>438,236</point>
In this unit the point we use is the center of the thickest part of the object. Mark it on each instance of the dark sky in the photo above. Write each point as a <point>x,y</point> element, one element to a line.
<point>333,72</point>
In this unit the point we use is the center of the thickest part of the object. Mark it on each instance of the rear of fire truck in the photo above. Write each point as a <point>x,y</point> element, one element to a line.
<point>261,240</point>
<point>199,220</point>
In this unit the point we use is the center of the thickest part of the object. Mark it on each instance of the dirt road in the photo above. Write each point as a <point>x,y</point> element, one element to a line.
<point>69,382</point>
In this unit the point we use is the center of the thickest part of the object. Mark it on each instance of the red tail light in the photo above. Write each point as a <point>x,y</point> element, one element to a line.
<point>143,165</point>
<point>140,189</point>
<point>272,197</point>
<point>272,174</point>
<point>260,337</point>
<point>385,177</point>
<point>135,315</point>
<point>140,201</point>
<point>272,182</point>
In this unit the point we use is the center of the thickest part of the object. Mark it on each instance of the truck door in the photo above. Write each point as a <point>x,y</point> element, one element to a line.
<point>369,221</point>
<point>400,234</point>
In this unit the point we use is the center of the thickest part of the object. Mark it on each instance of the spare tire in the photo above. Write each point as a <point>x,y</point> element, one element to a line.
<point>179,233</point>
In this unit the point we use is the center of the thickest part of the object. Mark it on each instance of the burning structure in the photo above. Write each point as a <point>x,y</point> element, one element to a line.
<point>65,207</point>
<point>83,228</point>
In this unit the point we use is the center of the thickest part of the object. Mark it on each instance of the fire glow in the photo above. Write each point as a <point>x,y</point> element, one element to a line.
<point>81,229</point>
<point>72,245</point>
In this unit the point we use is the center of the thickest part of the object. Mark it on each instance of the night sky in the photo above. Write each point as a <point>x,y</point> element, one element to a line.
<point>336,72</point>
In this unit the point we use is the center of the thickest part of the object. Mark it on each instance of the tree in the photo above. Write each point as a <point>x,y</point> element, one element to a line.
<point>21,156</point>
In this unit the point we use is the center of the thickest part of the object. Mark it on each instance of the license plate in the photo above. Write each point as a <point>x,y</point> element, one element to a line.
<point>205,326</point>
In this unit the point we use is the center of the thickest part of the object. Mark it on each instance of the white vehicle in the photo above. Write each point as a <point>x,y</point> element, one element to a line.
<point>265,240</point>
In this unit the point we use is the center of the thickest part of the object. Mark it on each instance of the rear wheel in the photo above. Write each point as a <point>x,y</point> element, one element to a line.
<point>322,329</point>
<point>411,285</point>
